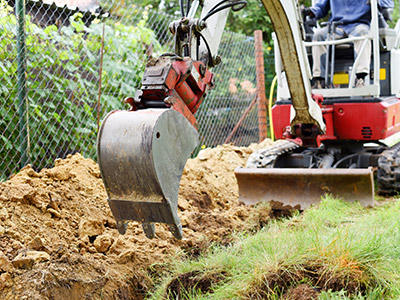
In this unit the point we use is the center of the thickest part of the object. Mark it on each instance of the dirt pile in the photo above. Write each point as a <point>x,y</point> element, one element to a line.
<point>208,197</point>
<point>58,239</point>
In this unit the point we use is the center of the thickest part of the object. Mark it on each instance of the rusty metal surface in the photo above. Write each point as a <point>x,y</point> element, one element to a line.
<point>261,98</point>
<point>301,188</point>
<point>141,156</point>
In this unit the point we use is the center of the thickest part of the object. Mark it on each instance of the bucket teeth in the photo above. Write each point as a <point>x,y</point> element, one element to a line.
<point>149,230</point>
<point>122,226</point>
<point>176,230</point>
<point>141,157</point>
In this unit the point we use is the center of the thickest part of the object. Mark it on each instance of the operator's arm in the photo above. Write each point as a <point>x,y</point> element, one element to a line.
<point>321,8</point>
<point>386,3</point>
<point>386,9</point>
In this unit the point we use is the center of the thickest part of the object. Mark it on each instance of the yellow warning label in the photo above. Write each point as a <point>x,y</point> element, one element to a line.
<point>382,74</point>
<point>340,78</point>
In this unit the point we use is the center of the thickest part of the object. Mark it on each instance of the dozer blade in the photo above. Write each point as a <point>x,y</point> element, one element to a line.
<point>141,156</point>
<point>298,188</point>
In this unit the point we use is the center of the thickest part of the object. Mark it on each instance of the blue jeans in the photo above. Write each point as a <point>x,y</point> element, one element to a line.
<point>319,52</point>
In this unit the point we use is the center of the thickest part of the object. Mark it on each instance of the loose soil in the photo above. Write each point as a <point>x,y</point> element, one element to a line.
<point>58,239</point>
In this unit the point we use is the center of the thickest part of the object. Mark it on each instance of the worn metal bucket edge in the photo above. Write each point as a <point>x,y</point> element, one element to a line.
<point>296,188</point>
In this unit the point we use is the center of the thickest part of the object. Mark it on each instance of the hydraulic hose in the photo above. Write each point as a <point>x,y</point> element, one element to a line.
<point>271,95</point>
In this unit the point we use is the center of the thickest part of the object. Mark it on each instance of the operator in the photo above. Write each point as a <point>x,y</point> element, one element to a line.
<point>353,17</point>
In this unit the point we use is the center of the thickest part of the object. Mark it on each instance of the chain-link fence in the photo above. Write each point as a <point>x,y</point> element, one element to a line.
<point>55,85</point>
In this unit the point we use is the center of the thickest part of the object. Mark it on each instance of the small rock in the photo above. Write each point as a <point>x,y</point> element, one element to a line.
<point>32,173</point>
<point>183,204</point>
<point>60,249</point>
<point>102,243</point>
<point>118,246</point>
<point>26,260</point>
<point>90,228</point>
<point>84,241</point>
<point>23,193</point>
<point>189,243</point>
<point>48,223</point>
<point>36,244</point>
<point>162,244</point>
<point>3,214</point>
<point>110,222</point>
<point>204,155</point>
<point>54,212</point>
<point>126,256</point>
<point>54,203</point>
<point>58,162</point>
<point>5,264</point>
<point>184,220</point>
<point>2,230</point>
<point>5,281</point>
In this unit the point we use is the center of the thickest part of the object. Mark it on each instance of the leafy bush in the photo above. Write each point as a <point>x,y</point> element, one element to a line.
<point>62,79</point>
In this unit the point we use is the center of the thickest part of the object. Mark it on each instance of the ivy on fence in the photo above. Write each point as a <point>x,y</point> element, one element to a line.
<point>62,81</point>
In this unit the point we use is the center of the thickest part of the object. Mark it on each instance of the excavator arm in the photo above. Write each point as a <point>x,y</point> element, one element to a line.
<point>142,151</point>
<point>286,20</point>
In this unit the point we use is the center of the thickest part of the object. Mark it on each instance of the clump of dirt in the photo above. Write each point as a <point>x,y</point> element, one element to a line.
<point>185,284</point>
<point>58,239</point>
<point>286,281</point>
<point>301,292</point>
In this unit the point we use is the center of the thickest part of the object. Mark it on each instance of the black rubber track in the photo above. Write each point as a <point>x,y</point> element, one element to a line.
<point>389,171</point>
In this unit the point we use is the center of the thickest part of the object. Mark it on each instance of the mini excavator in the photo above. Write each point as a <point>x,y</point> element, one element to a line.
<point>332,139</point>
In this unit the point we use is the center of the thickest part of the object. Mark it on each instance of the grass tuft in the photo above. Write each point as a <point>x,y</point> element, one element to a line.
<point>336,250</point>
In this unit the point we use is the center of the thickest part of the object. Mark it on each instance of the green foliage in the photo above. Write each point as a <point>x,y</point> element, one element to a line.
<point>252,17</point>
<point>395,15</point>
<point>63,81</point>
<point>168,6</point>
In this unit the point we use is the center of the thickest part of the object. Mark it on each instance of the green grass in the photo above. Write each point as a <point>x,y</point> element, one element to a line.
<point>347,251</point>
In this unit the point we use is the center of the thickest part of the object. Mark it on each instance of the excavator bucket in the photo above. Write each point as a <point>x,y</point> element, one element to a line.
<point>287,189</point>
<point>141,156</point>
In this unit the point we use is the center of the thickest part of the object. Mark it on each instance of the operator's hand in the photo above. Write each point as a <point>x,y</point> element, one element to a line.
<point>308,12</point>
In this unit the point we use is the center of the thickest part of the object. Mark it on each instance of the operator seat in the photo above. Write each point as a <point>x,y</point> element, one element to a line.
<point>344,53</point>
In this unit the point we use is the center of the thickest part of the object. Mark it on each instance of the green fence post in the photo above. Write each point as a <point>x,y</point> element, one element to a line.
<point>22,100</point>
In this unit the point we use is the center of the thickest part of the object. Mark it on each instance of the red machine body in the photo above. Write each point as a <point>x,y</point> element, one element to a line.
<point>366,120</point>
